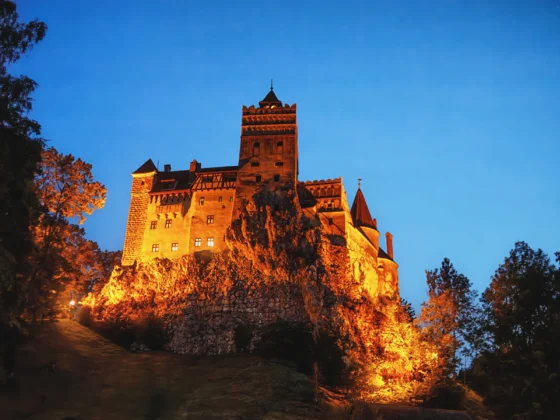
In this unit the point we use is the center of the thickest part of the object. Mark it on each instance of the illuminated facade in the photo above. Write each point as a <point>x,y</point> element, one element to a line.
<point>173,213</point>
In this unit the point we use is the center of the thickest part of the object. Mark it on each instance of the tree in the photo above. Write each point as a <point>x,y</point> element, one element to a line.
<point>449,315</point>
<point>20,147</point>
<point>410,314</point>
<point>66,187</point>
<point>522,321</point>
<point>63,259</point>
<point>438,323</point>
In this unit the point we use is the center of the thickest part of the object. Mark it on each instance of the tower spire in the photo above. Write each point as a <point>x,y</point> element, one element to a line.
<point>359,182</point>
<point>271,84</point>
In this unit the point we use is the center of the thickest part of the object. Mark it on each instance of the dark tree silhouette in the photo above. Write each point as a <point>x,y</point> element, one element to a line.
<point>520,371</point>
<point>20,150</point>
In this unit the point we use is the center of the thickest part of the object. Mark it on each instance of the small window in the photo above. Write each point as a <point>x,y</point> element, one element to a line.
<point>201,201</point>
<point>168,223</point>
<point>210,242</point>
<point>219,199</point>
<point>253,164</point>
<point>276,178</point>
<point>155,247</point>
<point>174,246</point>
<point>167,185</point>
<point>153,225</point>
<point>256,148</point>
<point>231,199</point>
<point>258,178</point>
<point>279,164</point>
<point>198,242</point>
<point>210,219</point>
<point>280,148</point>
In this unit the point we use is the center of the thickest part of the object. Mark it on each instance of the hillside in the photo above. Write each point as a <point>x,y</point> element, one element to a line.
<point>95,379</point>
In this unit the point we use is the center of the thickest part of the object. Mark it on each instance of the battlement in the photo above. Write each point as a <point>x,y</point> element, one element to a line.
<point>285,109</point>
<point>325,195</point>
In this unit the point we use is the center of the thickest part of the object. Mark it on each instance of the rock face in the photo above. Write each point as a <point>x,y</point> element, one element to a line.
<point>285,271</point>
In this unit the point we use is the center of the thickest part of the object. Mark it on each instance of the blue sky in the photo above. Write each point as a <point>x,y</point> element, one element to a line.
<point>448,110</point>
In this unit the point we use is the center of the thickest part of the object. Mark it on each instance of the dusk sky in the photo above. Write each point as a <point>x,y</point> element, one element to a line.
<point>448,110</point>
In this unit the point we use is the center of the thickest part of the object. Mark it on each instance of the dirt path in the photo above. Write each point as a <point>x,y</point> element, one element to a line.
<point>95,379</point>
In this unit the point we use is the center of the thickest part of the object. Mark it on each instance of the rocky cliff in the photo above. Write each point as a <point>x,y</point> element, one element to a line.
<point>287,284</point>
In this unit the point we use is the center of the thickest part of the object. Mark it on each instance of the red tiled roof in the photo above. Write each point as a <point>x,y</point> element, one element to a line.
<point>360,212</point>
<point>147,167</point>
<point>270,99</point>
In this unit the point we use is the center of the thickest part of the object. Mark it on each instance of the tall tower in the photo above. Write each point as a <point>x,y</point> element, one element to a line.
<point>142,183</point>
<point>268,152</point>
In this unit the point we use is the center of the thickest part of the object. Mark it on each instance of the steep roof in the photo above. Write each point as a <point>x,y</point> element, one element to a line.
<point>360,212</point>
<point>270,99</point>
<point>383,254</point>
<point>147,167</point>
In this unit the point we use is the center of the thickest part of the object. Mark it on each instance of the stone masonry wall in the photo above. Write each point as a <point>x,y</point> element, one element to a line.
<point>137,214</point>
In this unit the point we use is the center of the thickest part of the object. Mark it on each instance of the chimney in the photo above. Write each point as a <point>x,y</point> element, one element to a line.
<point>167,167</point>
<point>195,166</point>
<point>389,238</point>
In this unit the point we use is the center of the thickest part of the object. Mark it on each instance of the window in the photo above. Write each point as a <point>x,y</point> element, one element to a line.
<point>279,164</point>
<point>231,199</point>
<point>174,246</point>
<point>219,199</point>
<point>256,148</point>
<point>201,201</point>
<point>168,185</point>
<point>276,177</point>
<point>280,148</point>
<point>153,225</point>
<point>210,219</point>
<point>258,178</point>
<point>253,164</point>
<point>168,223</point>
<point>210,242</point>
<point>155,247</point>
<point>197,242</point>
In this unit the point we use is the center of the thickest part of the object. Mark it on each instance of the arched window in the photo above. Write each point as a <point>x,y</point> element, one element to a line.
<point>256,148</point>
<point>322,192</point>
<point>329,192</point>
<point>280,148</point>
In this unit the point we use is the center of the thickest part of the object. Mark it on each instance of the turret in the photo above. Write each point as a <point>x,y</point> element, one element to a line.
<point>142,184</point>
<point>361,217</point>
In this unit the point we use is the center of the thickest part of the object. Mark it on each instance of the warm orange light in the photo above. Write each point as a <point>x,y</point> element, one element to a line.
<point>72,302</point>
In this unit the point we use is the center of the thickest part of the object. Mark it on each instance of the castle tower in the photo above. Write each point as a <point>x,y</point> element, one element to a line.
<point>142,183</point>
<point>361,217</point>
<point>268,152</point>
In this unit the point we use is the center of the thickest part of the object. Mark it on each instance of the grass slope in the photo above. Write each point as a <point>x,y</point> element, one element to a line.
<point>96,379</point>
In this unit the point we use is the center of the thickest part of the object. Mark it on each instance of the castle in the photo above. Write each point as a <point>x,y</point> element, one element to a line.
<point>173,213</point>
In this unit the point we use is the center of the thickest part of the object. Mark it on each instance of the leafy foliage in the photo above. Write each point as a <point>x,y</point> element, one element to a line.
<point>66,187</point>
<point>20,148</point>
<point>64,262</point>
<point>519,373</point>
<point>448,318</point>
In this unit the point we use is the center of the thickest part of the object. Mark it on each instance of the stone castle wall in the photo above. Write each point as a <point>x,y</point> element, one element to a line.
<point>137,217</point>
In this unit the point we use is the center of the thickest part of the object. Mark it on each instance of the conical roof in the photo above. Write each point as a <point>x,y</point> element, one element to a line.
<point>147,167</point>
<point>360,212</point>
<point>270,99</point>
